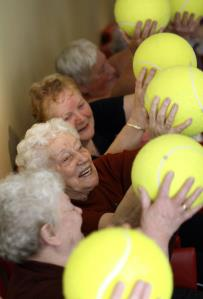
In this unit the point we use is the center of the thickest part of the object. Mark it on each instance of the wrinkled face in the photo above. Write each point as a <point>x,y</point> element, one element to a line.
<point>72,107</point>
<point>102,78</point>
<point>68,227</point>
<point>75,164</point>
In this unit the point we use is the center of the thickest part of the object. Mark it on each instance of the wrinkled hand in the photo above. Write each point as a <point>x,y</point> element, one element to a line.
<point>185,25</point>
<point>161,219</point>
<point>160,123</point>
<point>150,28</point>
<point>139,114</point>
<point>141,290</point>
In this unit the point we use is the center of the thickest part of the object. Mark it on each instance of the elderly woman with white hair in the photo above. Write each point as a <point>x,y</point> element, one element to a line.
<point>39,229</point>
<point>103,188</point>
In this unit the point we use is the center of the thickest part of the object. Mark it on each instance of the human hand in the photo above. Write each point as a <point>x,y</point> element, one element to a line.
<point>161,219</point>
<point>184,25</point>
<point>141,290</point>
<point>140,34</point>
<point>139,114</point>
<point>160,123</point>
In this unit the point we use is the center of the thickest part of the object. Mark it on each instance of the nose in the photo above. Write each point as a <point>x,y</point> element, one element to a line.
<point>82,157</point>
<point>78,118</point>
<point>78,210</point>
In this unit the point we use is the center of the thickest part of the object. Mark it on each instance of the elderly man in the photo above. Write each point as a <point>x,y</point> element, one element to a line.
<point>96,76</point>
<point>103,188</point>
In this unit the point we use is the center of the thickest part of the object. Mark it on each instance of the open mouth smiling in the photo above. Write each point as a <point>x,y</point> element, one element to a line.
<point>86,172</point>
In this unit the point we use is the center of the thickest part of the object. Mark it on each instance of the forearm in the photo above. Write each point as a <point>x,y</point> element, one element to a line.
<point>161,240</point>
<point>128,211</point>
<point>129,138</point>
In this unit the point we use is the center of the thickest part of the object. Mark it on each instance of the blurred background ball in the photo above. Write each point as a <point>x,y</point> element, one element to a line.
<point>191,6</point>
<point>129,12</point>
<point>113,255</point>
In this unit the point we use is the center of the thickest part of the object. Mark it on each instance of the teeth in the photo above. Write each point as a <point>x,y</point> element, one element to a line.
<point>81,129</point>
<point>86,172</point>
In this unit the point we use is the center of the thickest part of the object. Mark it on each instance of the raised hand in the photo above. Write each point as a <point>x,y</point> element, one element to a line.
<point>139,114</point>
<point>161,122</point>
<point>184,25</point>
<point>141,33</point>
<point>161,219</point>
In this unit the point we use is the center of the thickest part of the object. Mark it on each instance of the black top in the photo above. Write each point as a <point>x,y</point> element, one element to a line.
<point>35,280</point>
<point>109,119</point>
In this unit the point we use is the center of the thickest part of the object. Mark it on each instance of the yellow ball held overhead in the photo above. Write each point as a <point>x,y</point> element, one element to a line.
<point>184,86</point>
<point>172,152</point>
<point>113,255</point>
<point>192,6</point>
<point>163,50</point>
<point>129,12</point>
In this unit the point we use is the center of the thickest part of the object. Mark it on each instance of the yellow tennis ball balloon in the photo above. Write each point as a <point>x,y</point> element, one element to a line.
<point>129,12</point>
<point>184,86</point>
<point>191,6</point>
<point>112,255</point>
<point>172,152</point>
<point>163,50</point>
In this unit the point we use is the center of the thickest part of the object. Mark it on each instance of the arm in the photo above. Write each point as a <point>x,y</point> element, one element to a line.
<point>122,61</point>
<point>131,134</point>
<point>128,211</point>
<point>161,219</point>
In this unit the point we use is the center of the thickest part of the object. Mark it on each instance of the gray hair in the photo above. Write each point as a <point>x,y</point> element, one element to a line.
<point>77,60</point>
<point>32,151</point>
<point>27,201</point>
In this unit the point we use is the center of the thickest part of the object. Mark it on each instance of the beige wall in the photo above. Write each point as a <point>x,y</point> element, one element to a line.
<point>32,33</point>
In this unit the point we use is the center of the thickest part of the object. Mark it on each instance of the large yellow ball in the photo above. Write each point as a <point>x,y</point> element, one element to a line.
<point>112,255</point>
<point>129,12</point>
<point>172,152</point>
<point>191,6</point>
<point>163,50</point>
<point>184,85</point>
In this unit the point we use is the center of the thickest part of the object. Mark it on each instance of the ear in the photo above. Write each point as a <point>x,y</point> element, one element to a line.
<point>49,236</point>
<point>84,89</point>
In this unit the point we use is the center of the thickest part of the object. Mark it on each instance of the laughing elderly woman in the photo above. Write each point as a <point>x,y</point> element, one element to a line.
<point>103,188</point>
<point>105,126</point>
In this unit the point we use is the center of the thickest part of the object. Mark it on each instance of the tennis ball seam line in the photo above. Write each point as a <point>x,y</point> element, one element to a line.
<point>184,4</point>
<point>166,157</point>
<point>129,23</point>
<point>195,89</point>
<point>118,267</point>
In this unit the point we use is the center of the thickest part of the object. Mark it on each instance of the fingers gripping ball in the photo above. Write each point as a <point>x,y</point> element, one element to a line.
<point>112,255</point>
<point>163,50</point>
<point>184,85</point>
<point>191,6</point>
<point>172,152</point>
<point>129,12</point>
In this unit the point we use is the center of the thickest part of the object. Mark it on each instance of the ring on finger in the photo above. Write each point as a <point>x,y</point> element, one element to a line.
<point>184,207</point>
